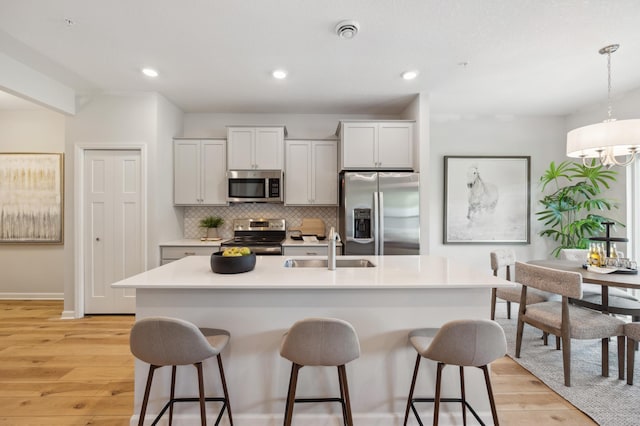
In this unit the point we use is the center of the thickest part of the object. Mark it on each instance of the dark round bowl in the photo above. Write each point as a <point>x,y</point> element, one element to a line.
<point>232,264</point>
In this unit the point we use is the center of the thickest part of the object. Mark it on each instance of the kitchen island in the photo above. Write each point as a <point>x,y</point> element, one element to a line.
<point>383,303</point>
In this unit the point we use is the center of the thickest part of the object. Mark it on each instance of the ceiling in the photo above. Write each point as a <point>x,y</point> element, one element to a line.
<point>498,57</point>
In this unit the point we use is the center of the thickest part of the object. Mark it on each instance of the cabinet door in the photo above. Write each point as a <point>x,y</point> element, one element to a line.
<point>395,145</point>
<point>186,172</point>
<point>359,143</point>
<point>214,172</point>
<point>240,142</point>
<point>269,148</point>
<point>325,173</point>
<point>297,176</point>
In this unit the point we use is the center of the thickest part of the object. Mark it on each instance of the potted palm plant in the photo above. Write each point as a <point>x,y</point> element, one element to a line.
<point>571,213</point>
<point>211,223</point>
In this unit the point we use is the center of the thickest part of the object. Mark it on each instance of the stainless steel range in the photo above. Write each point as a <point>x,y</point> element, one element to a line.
<point>262,236</point>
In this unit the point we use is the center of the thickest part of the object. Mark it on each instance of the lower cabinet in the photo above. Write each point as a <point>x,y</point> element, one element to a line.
<point>308,250</point>
<point>171,253</point>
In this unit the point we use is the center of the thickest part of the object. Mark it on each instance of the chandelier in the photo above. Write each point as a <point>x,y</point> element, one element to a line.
<point>610,139</point>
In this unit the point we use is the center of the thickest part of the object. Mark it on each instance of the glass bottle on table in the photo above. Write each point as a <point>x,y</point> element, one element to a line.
<point>594,257</point>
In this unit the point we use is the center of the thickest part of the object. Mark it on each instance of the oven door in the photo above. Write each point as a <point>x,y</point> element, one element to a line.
<point>254,186</point>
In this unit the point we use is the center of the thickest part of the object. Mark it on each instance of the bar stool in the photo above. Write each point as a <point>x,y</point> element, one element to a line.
<point>465,343</point>
<point>162,341</point>
<point>320,342</point>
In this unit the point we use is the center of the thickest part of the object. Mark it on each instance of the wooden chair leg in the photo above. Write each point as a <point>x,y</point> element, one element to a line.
<point>621,342</point>
<point>545,338</point>
<point>508,310</point>
<point>519,332</point>
<point>566,359</point>
<point>436,401</point>
<point>224,389</point>
<point>145,399</point>
<point>463,397</point>
<point>172,395</point>
<point>342,371</point>
<point>203,412</point>
<point>557,343</point>
<point>493,304</point>
<point>291,394</point>
<point>631,353</point>
<point>413,385</point>
<point>492,402</point>
<point>605,357</point>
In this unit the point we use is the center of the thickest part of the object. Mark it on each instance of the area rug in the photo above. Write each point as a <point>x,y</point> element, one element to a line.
<point>607,400</point>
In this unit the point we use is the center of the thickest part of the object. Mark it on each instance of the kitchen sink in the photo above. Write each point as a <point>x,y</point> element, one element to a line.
<point>322,263</point>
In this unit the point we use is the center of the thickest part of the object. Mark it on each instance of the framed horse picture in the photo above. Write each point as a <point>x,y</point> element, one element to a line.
<point>487,200</point>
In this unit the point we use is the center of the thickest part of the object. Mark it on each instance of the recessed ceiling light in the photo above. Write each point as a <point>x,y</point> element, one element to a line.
<point>409,75</point>
<point>279,74</point>
<point>149,72</point>
<point>347,29</point>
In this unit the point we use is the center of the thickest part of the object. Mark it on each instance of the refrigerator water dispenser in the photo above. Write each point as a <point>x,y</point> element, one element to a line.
<point>362,223</point>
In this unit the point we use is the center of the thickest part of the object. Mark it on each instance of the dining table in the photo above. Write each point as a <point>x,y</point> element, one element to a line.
<point>624,304</point>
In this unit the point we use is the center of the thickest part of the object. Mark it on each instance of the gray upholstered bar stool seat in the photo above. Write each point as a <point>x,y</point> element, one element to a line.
<point>506,258</point>
<point>465,343</point>
<point>632,331</point>
<point>320,342</point>
<point>162,341</point>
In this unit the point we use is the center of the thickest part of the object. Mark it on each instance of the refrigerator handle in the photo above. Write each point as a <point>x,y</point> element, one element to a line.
<point>381,221</point>
<point>376,227</point>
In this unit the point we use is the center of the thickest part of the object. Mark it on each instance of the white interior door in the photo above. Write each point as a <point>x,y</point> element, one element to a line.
<point>113,246</point>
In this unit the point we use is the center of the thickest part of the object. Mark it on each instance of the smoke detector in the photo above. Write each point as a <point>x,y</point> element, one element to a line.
<point>347,29</point>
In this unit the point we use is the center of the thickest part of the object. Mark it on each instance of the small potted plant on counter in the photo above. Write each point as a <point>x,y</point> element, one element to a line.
<point>211,223</point>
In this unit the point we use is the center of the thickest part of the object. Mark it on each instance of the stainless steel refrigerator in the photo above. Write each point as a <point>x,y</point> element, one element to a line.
<point>379,213</point>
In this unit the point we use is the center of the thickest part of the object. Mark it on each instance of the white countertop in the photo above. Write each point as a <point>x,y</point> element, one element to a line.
<point>395,272</point>
<point>301,243</point>
<point>193,242</point>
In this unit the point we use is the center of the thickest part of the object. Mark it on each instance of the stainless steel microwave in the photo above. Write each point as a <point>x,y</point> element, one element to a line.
<point>255,186</point>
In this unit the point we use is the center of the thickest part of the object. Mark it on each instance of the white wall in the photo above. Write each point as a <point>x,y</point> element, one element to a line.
<point>127,119</point>
<point>542,138</point>
<point>32,270</point>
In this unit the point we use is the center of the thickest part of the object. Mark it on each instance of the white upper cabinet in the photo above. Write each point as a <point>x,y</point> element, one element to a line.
<point>311,173</point>
<point>376,145</point>
<point>255,148</point>
<point>199,172</point>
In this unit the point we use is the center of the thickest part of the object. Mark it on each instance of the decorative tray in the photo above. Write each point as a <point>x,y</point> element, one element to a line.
<point>610,270</point>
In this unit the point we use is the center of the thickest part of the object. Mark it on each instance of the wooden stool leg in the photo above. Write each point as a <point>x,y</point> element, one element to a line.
<point>413,385</point>
<point>224,389</point>
<point>557,343</point>
<point>621,341</point>
<point>492,401</point>
<point>436,402</point>
<point>605,357</point>
<point>203,413</point>
<point>342,371</point>
<point>508,310</point>
<point>291,394</point>
<point>463,397</point>
<point>631,353</point>
<point>145,399</point>
<point>342,400</point>
<point>172,395</point>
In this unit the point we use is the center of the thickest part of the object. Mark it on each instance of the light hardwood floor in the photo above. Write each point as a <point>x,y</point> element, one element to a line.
<point>57,372</point>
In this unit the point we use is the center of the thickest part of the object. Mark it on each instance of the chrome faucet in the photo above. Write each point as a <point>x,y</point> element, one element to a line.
<point>334,237</point>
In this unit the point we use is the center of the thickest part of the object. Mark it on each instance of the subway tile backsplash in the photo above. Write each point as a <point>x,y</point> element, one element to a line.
<point>293,216</point>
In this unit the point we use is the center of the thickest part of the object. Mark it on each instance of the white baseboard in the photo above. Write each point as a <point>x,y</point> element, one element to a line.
<point>31,296</point>
<point>66,315</point>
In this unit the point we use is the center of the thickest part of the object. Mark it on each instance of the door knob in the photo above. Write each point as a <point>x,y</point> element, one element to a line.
<point>97,238</point>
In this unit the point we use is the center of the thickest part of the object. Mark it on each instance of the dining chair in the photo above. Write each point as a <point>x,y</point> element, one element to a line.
<point>562,319</point>
<point>632,332</point>
<point>506,258</point>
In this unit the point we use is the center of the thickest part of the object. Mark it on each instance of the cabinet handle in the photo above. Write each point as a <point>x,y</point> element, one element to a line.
<point>312,254</point>
<point>189,253</point>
